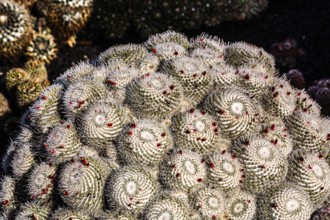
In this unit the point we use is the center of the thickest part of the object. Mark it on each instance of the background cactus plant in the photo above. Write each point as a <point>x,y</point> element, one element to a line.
<point>25,85</point>
<point>159,131</point>
<point>15,29</point>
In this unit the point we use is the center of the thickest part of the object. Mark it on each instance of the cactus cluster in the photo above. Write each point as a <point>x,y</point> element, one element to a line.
<point>15,29</point>
<point>26,84</point>
<point>20,34</point>
<point>66,17</point>
<point>117,18</point>
<point>170,129</point>
<point>21,31</point>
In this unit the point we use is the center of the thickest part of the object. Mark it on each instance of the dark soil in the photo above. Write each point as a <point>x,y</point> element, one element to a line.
<point>305,21</point>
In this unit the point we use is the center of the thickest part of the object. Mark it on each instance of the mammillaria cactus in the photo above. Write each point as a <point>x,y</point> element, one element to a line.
<point>160,131</point>
<point>15,29</point>
<point>66,16</point>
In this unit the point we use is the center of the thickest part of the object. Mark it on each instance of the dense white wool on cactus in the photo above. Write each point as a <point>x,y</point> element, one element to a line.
<point>75,73</point>
<point>40,182</point>
<point>193,75</point>
<point>61,143</point>
<point>130,54</point>
<point>224,171</point>
<point>281,98</point>
<point>309,131</point>
<point>68,214</point>
<point>166,51</point>
<point>264,164</point>
<point>184,169</point>
<point>311,172</point>
<point>234,111</point>
<point>165,208</point>
<point>76,180</point>
<point>33,210</point>
<point>130,189</point>
<point>154,95</point>
<point>209,203</point>
<point>276,131</point>
<point>167,37</point>
<point>44,112</point>
<point>286,203</point>
<point>149,64</point>
<point>241,206</point>
<point>240,53</point>
<point>7,194</point>
<point>144,142</point>
<point>100,124</point>
<point>224,76</point>
<point>197,130</point>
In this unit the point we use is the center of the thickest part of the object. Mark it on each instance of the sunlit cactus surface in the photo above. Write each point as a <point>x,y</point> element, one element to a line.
<point>170,129</point>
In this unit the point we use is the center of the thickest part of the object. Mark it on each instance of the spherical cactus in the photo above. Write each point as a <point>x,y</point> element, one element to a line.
<point>42,47</point>
<point>287,202</point>
<point>169,129</point>
<point>225,171</point>
<point>234,111</point>
<point>144,142</point>
<point>209,203</point>
<point>264,164</point>
<point>15,29</point>
<point>311,172</point>
<point>185,170</point>
<point>67,17</point>
<point>81,183</point>
<point>166,207</point>
<point>241,206</point>
<point>130,189</point>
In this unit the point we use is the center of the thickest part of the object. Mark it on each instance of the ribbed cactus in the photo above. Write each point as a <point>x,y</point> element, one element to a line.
<point>169,129</point>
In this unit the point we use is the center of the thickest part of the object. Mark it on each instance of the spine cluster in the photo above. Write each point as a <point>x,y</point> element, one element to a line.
<point>169,129</point>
